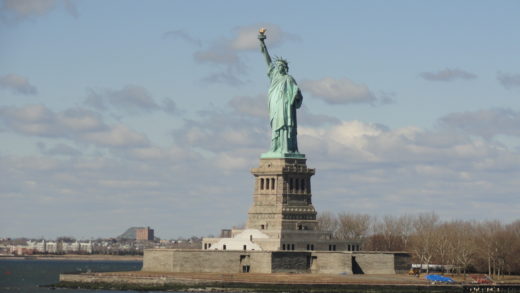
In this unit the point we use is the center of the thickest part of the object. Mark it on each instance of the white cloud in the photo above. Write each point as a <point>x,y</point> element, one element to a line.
<point>17,84</point>
<point>117,136</point>
<point>338,91</point>
<point>40,121</point>
<point>77,124</point>
<point>26,9</point>
<point>409,164</point>
<point>447,74</point>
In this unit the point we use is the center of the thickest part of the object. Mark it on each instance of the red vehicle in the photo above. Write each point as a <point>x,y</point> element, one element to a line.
<point>481,279</point>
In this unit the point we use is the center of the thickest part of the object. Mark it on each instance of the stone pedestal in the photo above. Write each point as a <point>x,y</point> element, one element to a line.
<point>282,205</point>
<point>282,197</point>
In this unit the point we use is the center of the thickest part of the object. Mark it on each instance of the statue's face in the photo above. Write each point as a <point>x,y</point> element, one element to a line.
<point>282,67</point>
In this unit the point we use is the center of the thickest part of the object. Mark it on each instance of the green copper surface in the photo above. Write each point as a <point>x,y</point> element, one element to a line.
<point>284,97</point>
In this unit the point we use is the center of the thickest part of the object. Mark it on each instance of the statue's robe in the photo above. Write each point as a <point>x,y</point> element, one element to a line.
<point>284,99</point>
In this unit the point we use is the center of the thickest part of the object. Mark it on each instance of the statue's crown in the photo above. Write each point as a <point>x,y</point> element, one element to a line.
<point>281,60</point>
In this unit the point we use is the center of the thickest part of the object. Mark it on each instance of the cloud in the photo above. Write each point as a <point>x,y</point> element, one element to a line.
<point>509,80</point>
<point>338,91</point>
<point>224,53</point>
<point>131,99</point>
<point>169,106</point>
<point>40,121</point>
<point>79,125</point>
<point>182,35</point>
<point>383,169</point>
<point>252,106</point>
<point>224,77</point>
<point>218,131</point>
<point>485,123</point>
<point>447,75</point>
<point>117,136</point>
<point>358,161</point>
<point>17,84</point>
<point>26,9</point>
<point>359,166</point>
<point>307,118</point>
<point>59,149</point>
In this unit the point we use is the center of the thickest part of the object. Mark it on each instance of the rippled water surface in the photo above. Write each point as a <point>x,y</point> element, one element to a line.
<point>25,275</point>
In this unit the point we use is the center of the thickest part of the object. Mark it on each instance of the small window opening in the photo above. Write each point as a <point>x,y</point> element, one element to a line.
<point>262,183</point>
<point>272,183</point>
<point>224,247</point>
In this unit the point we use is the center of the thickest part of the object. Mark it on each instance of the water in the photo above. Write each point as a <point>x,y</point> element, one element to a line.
<point>24,275</point>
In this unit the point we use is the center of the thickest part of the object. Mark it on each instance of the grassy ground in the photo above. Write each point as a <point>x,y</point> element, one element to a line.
<point>250,282</point>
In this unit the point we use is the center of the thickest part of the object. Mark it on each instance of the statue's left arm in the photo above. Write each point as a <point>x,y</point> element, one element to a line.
<point>298,99</point>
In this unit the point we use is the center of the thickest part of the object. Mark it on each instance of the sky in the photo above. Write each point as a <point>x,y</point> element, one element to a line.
<point>151,113</point>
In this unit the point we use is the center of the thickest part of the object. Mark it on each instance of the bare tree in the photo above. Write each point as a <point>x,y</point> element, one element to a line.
<point>444,236</point>
<point>353,226</point>
<point>406,222</point>
<point>424,238</point>
<point>327,222</point>
<point>464,246</point>
<point>514,229</point>
<point>488,245</point>
<point>390,230</point>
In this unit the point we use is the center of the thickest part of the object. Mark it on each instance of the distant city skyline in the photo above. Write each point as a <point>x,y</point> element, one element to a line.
<point>135,113</point>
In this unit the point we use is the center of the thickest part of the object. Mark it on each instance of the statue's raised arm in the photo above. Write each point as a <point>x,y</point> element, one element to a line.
<point>263,48</point>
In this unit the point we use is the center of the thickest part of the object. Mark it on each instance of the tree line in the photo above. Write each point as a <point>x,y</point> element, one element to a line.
<point>490,247</point>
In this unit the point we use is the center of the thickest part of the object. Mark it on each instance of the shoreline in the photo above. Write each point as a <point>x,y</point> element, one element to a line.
<point>83,257</point>
<point>292,283</point>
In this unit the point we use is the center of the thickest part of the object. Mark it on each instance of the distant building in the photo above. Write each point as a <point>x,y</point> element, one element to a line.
<point>55,247</point>
<point>144,234</point>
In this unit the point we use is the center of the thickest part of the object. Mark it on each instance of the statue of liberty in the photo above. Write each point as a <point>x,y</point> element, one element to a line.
<point>284,97</point>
